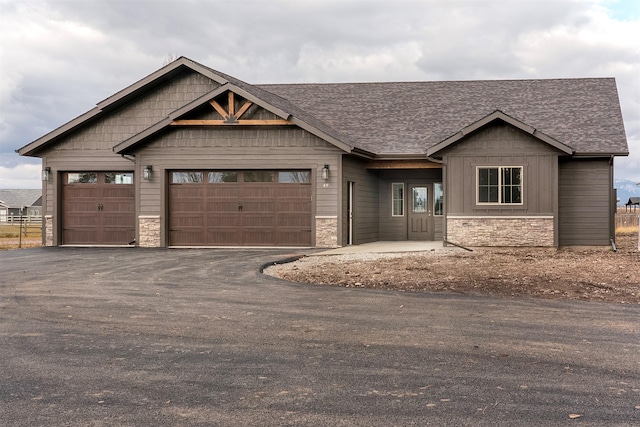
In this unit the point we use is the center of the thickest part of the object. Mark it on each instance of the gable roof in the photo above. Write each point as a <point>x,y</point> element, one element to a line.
<point>497,116</point>
<point>122,97</point>
<point>19,198</point>
<point>270,102</point>
<point>407,117</point>
<point>579,116</point>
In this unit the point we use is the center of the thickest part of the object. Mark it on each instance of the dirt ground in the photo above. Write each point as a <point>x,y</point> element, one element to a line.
<point>593,274</point>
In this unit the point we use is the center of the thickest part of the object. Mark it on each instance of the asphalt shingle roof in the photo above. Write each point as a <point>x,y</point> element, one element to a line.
<point>19,198</point>
<point>409,117</point>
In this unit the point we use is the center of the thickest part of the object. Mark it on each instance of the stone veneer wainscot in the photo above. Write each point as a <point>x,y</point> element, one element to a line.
<point>500,231</point>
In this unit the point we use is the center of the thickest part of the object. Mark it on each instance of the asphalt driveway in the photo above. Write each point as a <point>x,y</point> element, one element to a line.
<point>141,337</point>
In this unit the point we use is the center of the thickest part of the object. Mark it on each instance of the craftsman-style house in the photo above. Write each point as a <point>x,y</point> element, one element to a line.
<point>189,156</point>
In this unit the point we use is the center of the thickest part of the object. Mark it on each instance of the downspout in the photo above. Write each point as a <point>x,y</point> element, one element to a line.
<point>612,207</point>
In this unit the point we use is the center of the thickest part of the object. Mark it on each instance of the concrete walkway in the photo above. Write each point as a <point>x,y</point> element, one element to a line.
<point>388,247</point>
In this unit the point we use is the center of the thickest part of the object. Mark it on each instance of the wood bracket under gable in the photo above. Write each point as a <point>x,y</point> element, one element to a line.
<point>230,116</point>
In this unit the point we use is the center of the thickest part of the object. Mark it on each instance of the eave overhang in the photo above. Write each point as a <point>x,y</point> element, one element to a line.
<point>129,144</point>
<point>119,98</point>
<point>497,115</point>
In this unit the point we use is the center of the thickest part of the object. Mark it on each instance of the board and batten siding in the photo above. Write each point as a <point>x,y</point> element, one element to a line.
<point>241,148</point>
<point>585,212</point>
<point>501,145</point>
<point>365,201</point>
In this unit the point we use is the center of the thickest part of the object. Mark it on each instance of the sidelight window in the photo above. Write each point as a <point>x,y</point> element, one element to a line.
<point>397,196</point>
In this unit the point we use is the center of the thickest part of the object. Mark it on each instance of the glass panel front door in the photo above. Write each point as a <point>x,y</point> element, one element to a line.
<point>419,220</point>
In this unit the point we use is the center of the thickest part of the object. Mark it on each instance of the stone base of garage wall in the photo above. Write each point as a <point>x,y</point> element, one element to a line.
<point>500,231</point>
<point>149,227</point>
<point>326,231</point>
<point>48,230</point>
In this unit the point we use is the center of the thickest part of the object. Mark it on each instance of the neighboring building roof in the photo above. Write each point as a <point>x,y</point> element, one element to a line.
<point>581,116</point>
<point>20,198</point>
<point>634,201</point>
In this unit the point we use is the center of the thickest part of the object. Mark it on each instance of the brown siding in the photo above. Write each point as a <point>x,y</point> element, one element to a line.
<point>90,148</point>
<point>365,218</point>
<point>501,145</point>
<point>584,202</point>
<point>260,147</point>
<point>145,111</point>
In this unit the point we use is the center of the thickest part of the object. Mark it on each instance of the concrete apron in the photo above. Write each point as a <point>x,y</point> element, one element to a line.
<point>386,247</point>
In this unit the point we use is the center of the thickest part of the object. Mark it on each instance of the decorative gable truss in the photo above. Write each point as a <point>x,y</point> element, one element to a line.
<point>229,114</point>
<point>230,105</point>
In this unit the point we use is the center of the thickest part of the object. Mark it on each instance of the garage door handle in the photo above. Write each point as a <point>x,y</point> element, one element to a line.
<point>100,206</point>
<point>240,206</point>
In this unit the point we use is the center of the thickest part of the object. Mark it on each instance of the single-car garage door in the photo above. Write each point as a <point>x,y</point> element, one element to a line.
<point>240,208</point>
<point>98,208</point>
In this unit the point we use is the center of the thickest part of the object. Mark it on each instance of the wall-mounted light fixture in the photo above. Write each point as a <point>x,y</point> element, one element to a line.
<point>147,173</point>
<point>46,174</point>
<point>325,173</point>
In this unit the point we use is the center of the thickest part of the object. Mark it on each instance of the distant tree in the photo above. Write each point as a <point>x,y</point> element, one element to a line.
<point>169,59</point>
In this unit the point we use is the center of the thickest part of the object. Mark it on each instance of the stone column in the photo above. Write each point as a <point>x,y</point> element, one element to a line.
<point>48,230</point>
<point>326,231</point>
<point>149,229</point>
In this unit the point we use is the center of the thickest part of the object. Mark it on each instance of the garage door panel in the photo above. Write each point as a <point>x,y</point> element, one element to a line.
<point>242,213</point>
<point>297,221</point>
<point>222,237</point>
<point>257,236</point>
<point>258,192</point>
<point>294,237</point>
<point>97,211</point>
<point>187,237</point>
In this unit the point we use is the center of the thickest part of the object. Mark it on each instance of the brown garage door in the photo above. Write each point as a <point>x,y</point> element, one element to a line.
<point>98,208</point>
<point>240,208</point>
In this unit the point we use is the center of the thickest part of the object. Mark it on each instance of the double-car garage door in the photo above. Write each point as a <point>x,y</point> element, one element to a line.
<point>240,208</point>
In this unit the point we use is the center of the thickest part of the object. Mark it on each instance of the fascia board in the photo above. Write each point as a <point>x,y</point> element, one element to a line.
<point>498,115</point>
<point>30,148</point>
<point>607,154</point>
<point>151,78</point>
<point>249,96</point>
<point>320,134</point>
<point>198,102</point>
<point>122,147</point>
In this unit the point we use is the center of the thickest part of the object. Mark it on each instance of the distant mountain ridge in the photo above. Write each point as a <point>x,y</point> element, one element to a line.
<point>626,189</point>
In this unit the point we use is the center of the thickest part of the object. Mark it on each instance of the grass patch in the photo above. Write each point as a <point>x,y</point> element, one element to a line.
<point>627,230</point>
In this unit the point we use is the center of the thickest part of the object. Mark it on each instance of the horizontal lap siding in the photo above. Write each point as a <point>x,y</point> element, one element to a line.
<point>365,218</point>
<point>241,148</point>
<point>584,208</point>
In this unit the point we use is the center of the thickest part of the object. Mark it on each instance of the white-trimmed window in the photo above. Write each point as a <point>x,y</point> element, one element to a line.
<point>499,185</point>
<point>397,199</point>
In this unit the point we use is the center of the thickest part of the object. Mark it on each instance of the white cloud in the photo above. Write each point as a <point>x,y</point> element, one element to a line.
<point>21,176</point>
<point>59,58</point>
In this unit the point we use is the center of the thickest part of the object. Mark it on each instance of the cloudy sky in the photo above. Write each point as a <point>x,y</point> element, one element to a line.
<point>59,58</point>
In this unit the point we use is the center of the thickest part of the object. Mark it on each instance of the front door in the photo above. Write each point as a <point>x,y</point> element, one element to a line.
<point>419,217</point>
